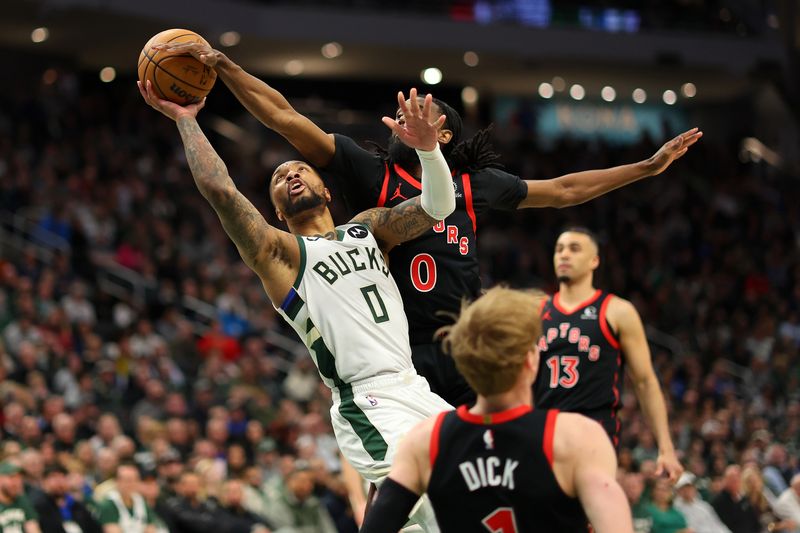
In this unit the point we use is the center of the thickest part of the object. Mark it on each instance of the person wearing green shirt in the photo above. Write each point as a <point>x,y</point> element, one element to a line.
<point>16,512</point>
<point>633,486</point>
<point>125,510</point>
<point>666,519</point>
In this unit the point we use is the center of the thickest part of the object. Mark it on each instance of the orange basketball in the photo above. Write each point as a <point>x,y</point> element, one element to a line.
<point>178,77</point>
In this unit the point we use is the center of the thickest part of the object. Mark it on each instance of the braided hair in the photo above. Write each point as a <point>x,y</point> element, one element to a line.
<point>470,155</point>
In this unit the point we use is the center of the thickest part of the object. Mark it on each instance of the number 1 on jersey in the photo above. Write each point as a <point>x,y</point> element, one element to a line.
<point>502,520</point>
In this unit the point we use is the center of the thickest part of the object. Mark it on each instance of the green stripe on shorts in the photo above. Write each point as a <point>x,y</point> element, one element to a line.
<point>370,437</point>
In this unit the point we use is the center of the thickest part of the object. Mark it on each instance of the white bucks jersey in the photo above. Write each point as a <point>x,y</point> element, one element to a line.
<point>346,308</point>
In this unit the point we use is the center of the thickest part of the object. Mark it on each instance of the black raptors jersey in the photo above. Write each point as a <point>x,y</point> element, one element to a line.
<point>580,362</point>
<point>494,474</point>
<point>439,268</point>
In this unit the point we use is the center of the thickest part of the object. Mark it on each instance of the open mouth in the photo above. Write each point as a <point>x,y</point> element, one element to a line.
<point>296,187</point>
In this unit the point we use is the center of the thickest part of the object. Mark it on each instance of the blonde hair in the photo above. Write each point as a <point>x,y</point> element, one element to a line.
<point>491,339</point>
<point>753,488</point>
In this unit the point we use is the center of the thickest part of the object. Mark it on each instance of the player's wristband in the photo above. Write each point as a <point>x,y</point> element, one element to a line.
<point>390,511</point>
<point>438,196</point>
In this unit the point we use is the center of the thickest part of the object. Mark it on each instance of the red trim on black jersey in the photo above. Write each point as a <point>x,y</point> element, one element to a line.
<point>604,327</point>
<point>615,405</point>
<point>414,182</point>
<point>434,445</point>
<point>549,435</point>
<point>592,298</point>
<point>541,307</point>
<point>493,418</point>
<point>384,187</point>
<point>468,200</point>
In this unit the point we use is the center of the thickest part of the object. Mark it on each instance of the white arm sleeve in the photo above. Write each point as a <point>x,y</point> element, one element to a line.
<point>438,194</point>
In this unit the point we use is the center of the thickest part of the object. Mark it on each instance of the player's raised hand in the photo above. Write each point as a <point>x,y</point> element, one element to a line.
<point>200,51</point>
<point>414,126</point>
<point>672,150</point>
<point>170,109</point>
<point>668,463</point>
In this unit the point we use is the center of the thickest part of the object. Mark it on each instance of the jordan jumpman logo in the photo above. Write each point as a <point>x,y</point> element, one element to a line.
<point>398,194</point>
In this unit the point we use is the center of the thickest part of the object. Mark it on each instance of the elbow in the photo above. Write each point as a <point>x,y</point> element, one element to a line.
<point>217,194</point>
<point>558,194</point>
<point>647,384</point>
<point>569,196</point>
<point>283,120</point>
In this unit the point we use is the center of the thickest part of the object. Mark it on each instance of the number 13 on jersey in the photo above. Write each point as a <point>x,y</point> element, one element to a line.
<point>563,371</point>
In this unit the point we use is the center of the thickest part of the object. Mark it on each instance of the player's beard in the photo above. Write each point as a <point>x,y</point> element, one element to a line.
<point>401,154</point>
<point>564,279</point>
<point>305,202</point>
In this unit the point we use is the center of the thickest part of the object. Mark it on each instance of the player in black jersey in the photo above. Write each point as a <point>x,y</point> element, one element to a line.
<point>440,268</point>
<point>588,339</point>
<point>503,466</point>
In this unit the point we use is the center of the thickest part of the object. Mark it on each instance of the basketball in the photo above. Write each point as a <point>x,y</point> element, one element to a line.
<point>177,77</point>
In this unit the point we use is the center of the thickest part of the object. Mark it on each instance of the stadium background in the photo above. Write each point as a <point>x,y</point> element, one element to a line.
<point>132,331</point>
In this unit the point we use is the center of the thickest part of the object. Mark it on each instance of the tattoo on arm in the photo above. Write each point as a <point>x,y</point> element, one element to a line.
<point>401,223</point>
<point>242,221</point>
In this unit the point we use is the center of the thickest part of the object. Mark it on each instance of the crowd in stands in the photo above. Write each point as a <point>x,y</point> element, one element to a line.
<point>118,410</point>
<point>724,16</point>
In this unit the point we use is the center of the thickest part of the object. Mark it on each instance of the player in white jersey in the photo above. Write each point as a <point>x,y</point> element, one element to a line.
<point>333,285</point>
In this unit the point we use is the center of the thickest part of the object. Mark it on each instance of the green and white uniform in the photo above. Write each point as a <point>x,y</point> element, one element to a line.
<point>14,515</point>
<point>346,308</point>
<point>113,510</point>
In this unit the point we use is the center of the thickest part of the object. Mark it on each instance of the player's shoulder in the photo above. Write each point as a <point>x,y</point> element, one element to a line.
<point>620,308</point>
<point>354,230</point>
<point>348,146</point>
<point>574,433</point>
<point>489,177</point>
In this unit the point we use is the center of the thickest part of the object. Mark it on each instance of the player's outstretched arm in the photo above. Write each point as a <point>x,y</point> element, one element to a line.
<point>265,103</point>
<point>407,480</point>
<point>633,343</point>
<point>413,217</point>
<point>587,463</point>
<point>272,254</point>
<point>580,187</point>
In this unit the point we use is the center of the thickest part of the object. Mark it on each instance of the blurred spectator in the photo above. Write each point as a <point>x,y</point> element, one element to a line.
<point>732,507</point>
<point>186,512</point>
<point>633,485</point>
<point>150,490</point>
<point>16,511</point>
<point>152,405</point>
<point>58,510</point>
<point>294,508</point>
<point>700,516</point>
<point>788,505</point>
<point>124,510</point>
<point>77,307</point>
<point>107,429</point>
<point>665,517</point>
<point>762,500</point>
<point>234,517</point>
<point>775,468</point>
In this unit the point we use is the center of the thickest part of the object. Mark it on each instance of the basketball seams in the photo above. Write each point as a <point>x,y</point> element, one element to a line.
<point>158,65</point>
<point>154,63</point>
<point>149,44</point>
